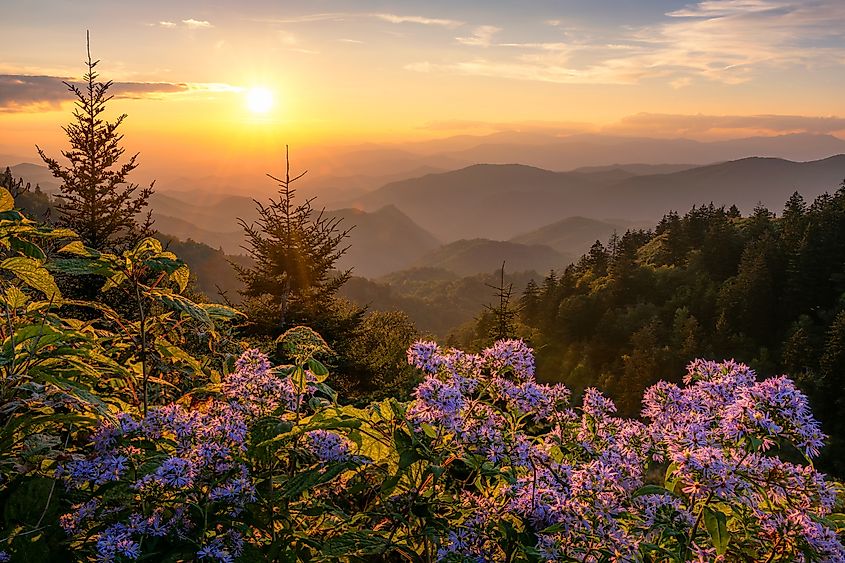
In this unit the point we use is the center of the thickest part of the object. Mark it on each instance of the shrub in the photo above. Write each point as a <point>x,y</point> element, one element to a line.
<point>484,464</point>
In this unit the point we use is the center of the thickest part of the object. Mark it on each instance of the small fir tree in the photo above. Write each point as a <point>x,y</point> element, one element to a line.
<point>294,279</point>
<point>95,198</point>
<point>503,314</point>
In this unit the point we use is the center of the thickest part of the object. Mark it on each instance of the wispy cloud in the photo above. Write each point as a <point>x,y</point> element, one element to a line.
<point>308,18</point>
<point>187,24</point>
<point>25,93</point>
<point>196,24</point>
<point>387,17</point>
<point>728,41</point>
<point>481,36</point>
<point>423,20</point>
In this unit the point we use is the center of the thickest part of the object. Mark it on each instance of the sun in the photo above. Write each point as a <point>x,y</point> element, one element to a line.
<point>259,100</point>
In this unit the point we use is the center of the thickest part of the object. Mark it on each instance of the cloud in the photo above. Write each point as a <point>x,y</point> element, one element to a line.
<point>704,125</point>
<point>481,36</point>
<point>25,93</point>
<point>393,18</point>
<point>196,24</point>
<point>727,41</point>
<point>353,41</point>
<point>186,24</point>
<point>308,18</point>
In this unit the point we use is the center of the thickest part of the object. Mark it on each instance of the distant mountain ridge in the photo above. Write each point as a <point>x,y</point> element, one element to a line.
<point>403,221</point>
<point>501,201</point>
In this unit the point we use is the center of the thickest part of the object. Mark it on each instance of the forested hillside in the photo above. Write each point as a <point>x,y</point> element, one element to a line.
<point>761,289</point>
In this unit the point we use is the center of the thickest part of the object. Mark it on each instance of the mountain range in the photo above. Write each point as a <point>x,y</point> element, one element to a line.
<point>501,201</point>
<point>471,219</point>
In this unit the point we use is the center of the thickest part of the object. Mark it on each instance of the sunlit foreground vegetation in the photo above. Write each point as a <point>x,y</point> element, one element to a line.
<point>230,458</point>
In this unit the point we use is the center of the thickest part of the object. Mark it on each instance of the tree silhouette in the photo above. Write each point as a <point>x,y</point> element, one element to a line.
<point>295,250</point>
<point>503,314</point>
<point>95,198</point>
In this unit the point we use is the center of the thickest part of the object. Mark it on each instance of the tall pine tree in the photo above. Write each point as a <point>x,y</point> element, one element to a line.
<point>95,198</point>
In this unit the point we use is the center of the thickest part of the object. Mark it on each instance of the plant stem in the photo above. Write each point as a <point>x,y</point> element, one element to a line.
<point>144,374</point>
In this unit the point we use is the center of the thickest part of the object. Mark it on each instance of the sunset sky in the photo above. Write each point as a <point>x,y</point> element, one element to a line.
<point>344,72</point>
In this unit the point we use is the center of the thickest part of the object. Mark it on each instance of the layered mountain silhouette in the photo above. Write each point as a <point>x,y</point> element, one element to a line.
<point>503,201</point>
<point>527,216</point>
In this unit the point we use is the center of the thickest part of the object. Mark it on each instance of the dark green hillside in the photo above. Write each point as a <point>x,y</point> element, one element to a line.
<point>763,289</point>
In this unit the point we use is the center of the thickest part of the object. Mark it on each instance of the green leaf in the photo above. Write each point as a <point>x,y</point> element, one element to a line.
<point>7,202</point>
<point>80,267</point>
<point>76,247</point>
<point>32,273</point>
<point>220,312</point>
<point>148,245</point>
<point>181,276</point>
<point>14,297</point>
<point>181,304</point>
<point>408,458</point>
<point>717,526</point>
<point>361,543</point>
<point>319,370</point>
<point>305,480</point>
<point>651,490</point>
<point>27,248</point>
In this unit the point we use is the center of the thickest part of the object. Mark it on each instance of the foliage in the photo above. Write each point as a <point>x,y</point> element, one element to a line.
<point>95,200</point>
<point>762,289</point>
<point>484,464</point>
<point>61,375</point>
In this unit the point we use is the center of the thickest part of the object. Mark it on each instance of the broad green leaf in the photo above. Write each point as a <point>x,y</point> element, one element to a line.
<point>27,248</point>
<point>32,273</point>
<point>14,297</point>
<point>651,490</point>
<point>149,245</point>
<point>175,354</point>
<point>180,304</point>
<point>717,526</point>
<point>115,281</point>
<point>220,312</point>
<point>7,202</point>
<point>80,267</point>
<point>360,543</point>
<point>305,480</point>
<point>76,247</point>
<point>319,370</point>
<point>181,276</point>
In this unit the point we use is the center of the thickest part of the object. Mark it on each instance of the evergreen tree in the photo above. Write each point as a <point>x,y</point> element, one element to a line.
<point>502,313</point>
<point>294,279</point>
<point>95,199</point>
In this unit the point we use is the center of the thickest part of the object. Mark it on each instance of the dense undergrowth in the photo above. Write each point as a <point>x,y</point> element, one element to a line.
<point>147,430</point>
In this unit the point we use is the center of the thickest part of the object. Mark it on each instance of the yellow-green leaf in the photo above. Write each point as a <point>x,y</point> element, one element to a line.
<point>181,277</point>
<point>75,247</point>
<point>7,202</point>
<point>34,274</point>
<point>14,297</point>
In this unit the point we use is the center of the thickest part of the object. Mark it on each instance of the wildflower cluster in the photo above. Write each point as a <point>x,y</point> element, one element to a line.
<point>169,475</point>
<point>580,482</point>
<point>484,464</point>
